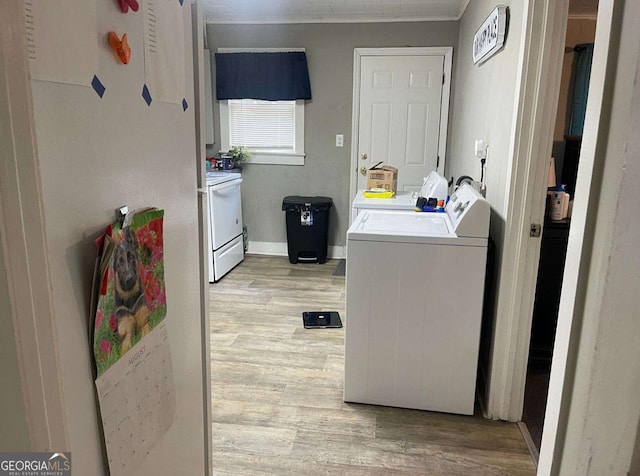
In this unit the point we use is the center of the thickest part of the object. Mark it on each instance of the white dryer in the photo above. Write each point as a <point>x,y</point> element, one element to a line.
<point>414,291</point>
<point>433,186</point>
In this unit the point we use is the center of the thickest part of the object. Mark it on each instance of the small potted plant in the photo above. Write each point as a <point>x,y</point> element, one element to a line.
<point>238,153</point>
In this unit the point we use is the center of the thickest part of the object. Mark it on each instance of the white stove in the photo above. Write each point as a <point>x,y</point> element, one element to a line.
<point>226,248</point>
<point>216,177</point>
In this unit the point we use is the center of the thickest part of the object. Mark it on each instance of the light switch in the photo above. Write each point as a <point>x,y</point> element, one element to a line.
<point>339,140</point>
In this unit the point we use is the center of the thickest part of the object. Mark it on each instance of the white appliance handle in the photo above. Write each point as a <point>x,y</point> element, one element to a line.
<point>225,185</point>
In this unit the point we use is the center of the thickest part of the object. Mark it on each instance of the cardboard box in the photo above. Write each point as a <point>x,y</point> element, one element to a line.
<point>384,176</point>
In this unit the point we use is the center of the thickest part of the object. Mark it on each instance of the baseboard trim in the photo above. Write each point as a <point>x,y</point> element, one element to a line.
<point>273,248</point>
<point>531,446</point>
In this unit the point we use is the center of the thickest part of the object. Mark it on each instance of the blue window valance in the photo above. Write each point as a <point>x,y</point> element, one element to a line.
<point>266,76</point>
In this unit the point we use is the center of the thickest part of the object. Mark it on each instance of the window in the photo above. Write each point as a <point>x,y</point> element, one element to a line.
<point>261,93</point>
<point>272,130</point>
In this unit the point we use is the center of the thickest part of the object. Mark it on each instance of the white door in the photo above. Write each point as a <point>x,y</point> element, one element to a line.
<point>402,112</point>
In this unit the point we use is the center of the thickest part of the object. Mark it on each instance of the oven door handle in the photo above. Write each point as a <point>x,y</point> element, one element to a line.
<point>224,186</point>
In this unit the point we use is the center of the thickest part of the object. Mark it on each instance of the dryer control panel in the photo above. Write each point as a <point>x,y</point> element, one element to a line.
<point>434,186</point>
<point>469,212</point>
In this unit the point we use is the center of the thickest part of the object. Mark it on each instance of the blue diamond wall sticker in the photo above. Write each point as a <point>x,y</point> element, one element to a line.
<point>97,86</point>
<point>146,95</point>
<point>184,104</point>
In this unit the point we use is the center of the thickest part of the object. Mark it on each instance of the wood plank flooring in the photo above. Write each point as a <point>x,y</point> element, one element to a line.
<point>277,392</point>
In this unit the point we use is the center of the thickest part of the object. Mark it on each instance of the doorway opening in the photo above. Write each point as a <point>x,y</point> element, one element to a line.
<point>567,140</point>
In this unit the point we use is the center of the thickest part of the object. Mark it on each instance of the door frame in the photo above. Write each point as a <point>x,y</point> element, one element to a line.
<point>541,53</point>
<point>24,243</point>
<point>200,82</point>
<point>575,350</point>
<point>358,54</point>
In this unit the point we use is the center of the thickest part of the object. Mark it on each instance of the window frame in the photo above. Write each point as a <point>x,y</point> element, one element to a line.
<point>265,157</point>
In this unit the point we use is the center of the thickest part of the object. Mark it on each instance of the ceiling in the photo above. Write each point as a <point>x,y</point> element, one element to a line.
<point>350,11</point>
<point>330,11</point>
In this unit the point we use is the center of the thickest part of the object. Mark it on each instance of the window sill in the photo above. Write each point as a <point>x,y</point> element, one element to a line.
<point>275,159</point>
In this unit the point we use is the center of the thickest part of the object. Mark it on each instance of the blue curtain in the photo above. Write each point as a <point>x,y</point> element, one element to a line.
<point>582,72</point>
<point>266,76</point>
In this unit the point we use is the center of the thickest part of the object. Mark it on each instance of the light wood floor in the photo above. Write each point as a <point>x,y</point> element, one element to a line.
<point>277,392</point>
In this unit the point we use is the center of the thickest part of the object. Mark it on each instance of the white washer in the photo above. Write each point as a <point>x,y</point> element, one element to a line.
<point>434,185</point>
<point>414,285</point>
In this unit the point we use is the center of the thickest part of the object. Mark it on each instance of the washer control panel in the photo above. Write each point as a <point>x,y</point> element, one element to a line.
<point>469,212</point>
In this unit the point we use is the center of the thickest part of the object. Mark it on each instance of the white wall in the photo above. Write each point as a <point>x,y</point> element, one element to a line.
<point>96,155</point>
<point>14,433</point>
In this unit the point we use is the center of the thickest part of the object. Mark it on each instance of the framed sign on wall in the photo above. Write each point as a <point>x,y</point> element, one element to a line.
<point>491,35</point>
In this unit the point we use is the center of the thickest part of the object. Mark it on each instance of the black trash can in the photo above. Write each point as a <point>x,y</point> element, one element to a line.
<point>307,228</point>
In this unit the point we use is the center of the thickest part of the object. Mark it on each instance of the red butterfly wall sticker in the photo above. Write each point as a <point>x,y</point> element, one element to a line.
<point>126,4</point>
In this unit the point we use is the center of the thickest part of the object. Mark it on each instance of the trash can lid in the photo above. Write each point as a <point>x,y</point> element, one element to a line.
<point>296,202</point>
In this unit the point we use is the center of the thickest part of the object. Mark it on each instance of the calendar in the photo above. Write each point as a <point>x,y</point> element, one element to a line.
<point>137,401</point>
<point>131,354</point>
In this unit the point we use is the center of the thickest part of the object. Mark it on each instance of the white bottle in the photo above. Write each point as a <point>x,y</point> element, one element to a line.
<point>557,206</point>
<point>565,205</point>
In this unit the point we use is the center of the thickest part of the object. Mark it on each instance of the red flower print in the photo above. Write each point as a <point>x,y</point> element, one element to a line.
<point>157,255</point>
<point>156,227</point>
<point>145,237</point>
<point>112,322</point>
<point>105,346</point>
<point>99,317</point>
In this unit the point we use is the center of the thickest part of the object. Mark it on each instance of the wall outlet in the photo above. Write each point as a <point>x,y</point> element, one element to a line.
<point>481,149</point>
<point>339,140</point>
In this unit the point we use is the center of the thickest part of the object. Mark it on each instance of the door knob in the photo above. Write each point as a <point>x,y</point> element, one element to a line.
<point>363,170</point>
<point>364,157</point>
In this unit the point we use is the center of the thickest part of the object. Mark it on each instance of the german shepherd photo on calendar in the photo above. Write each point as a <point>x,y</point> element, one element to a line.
<point>129,298</point>
<point>130,304</point>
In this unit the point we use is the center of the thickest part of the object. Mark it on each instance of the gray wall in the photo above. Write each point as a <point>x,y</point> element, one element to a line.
<point>329,50</point>
<point>96,155</point>
<point>483,108</point>
<point>14,433</point>
<point>483,104</point>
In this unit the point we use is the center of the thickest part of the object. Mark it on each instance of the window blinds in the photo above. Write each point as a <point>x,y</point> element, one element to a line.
<point>262,124</point>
